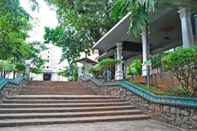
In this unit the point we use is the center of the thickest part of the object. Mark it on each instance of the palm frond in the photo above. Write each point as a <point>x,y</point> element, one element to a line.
<point>138,20</point>
<point>120,8</point>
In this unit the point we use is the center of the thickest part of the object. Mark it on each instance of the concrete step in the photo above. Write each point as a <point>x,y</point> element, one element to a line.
<point>61,97</point>
<point>55,93</point>
<point>67,114</point>
<point>54,88</point>
<point>16,105</point>
<point>45,121</point>
<point>63,109</point>
<point>42,103</point>
<point>22,101</point>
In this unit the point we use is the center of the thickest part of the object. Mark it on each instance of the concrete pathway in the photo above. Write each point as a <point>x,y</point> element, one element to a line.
<point>147,125</point>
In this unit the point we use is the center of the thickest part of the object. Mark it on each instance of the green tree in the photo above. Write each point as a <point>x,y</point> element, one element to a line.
<point>36,61</point>
<point>14,25</point>
<point>91,16</point>
<point>105,64</point>
<point>69,39</point>
<point>183,64</point>
<point>139,13</point>
<point>135,68</point>
<point>79,26</point>
<point>71,72</point>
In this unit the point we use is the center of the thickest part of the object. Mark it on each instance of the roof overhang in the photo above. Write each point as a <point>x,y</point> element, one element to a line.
<point>165,32</point>
<point>114,34</point>
<point>86,61</point>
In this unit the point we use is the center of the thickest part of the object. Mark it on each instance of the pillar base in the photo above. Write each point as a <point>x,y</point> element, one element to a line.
<point>119,75</point>
<point>144,70</point>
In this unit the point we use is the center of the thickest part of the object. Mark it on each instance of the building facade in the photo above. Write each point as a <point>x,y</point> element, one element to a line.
<point>52,56</point>
<point>169,28</point>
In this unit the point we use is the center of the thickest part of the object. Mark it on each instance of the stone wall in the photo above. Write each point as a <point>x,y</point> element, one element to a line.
<point>173,115</point>
<point>10,90</point>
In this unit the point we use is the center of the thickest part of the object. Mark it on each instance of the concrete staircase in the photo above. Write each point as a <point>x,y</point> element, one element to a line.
<point>63,102</point>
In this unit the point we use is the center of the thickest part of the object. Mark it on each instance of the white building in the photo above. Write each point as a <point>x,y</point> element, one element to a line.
<point>53,64</point>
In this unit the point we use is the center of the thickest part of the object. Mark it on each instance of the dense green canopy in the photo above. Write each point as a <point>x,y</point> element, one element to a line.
<point>14,28</point>
<point>14,25</point>
<point>81,23</point>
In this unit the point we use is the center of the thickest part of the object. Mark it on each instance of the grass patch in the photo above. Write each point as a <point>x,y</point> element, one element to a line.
<point>175,91</point>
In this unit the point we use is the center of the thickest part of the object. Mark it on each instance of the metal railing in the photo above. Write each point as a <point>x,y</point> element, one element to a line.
<point>188,102</point>
<point>4,82</point>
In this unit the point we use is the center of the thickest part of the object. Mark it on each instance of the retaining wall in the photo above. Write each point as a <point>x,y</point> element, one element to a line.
<point>183,117</point>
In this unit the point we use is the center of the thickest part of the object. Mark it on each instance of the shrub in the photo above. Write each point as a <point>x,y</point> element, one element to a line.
<point>183,64</point>
<point>135,68</point>
<point>156,61</point>
<point>96,70</point>
<point>20,67</point>
<point>175,91</point>
<point>71,72</point>
<point>107,63</point>
<point>178,91</point>
<point>36,70</point>
<point>75,74</point>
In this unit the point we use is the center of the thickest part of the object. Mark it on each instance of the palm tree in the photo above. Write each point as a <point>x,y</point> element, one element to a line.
<point>139,17</point>
<point>139,13</point>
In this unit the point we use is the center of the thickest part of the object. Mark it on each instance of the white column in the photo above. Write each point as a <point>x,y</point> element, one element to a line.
<point>119,67</point>
<point>27,70</point>
<point>186,26</point>
<point>145,53</point>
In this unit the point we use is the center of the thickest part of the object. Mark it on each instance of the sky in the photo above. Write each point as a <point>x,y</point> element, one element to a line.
<point>46,16</point>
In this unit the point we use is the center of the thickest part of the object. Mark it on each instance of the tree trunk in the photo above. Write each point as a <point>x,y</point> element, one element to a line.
<point>14,74</point>
<point>4,74</point>
<point>1,73</point>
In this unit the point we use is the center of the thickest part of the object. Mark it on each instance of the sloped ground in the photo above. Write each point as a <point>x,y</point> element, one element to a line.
<point>147,125</point>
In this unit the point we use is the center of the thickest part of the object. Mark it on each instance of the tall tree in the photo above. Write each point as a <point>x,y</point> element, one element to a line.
<point>71,41</point>
<point>14,27</point>
<point>81,23</point>
<point>91,16</point>
<point>139,13</point>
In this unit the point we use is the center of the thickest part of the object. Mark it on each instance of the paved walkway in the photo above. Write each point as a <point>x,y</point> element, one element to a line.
<point>149,125</point>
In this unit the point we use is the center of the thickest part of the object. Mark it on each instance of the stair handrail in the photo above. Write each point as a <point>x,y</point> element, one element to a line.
<point>17,81</point>
<point>188,102</point>
<point>3,83</point>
